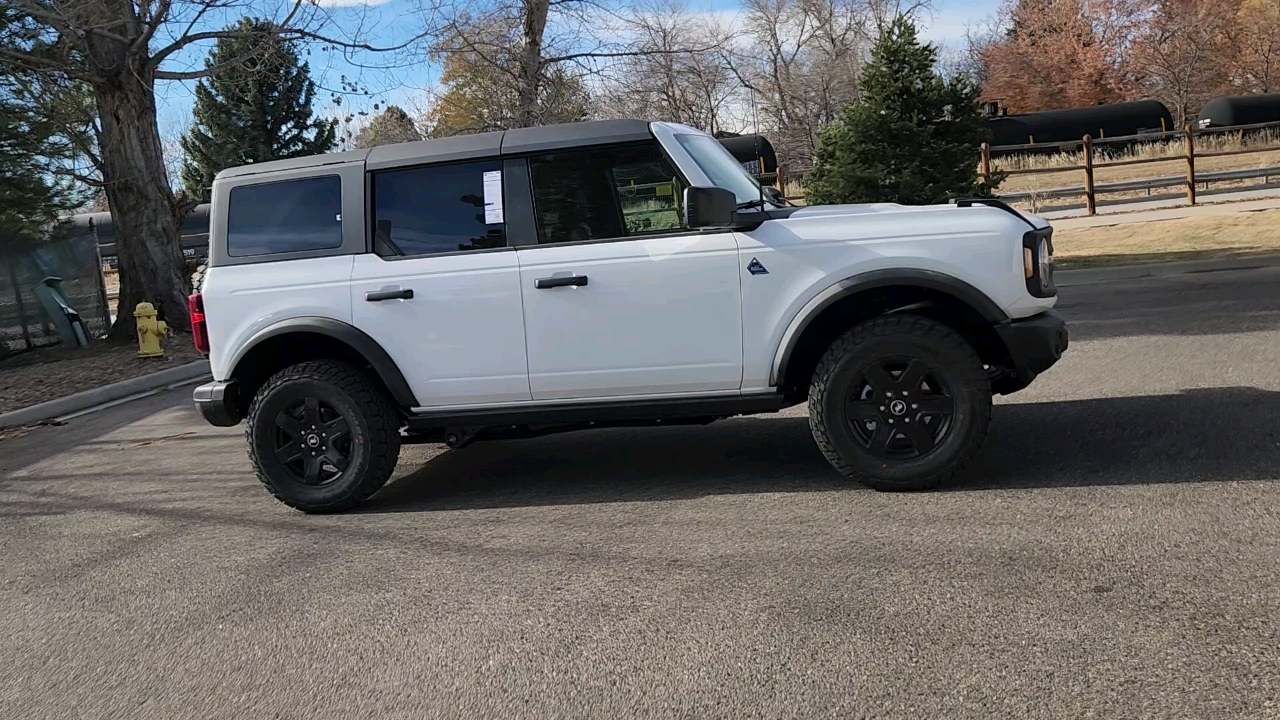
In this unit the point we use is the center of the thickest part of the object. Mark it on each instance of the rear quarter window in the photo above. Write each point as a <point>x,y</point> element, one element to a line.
<point>285,217</point>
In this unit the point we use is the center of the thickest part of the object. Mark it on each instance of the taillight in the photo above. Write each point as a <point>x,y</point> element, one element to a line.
<point>199,328</point>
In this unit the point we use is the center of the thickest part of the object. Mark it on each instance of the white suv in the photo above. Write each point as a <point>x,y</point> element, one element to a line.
<point>513,284</point>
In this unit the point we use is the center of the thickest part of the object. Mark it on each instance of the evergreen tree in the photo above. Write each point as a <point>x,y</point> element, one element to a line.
<point>393,125</point>
<point>34,148</point>
<point>255,107</point>
<point>911,137</point>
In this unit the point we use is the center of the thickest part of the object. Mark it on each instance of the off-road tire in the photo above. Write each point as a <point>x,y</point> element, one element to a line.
<point>374,440</point>
<point>951,358</point>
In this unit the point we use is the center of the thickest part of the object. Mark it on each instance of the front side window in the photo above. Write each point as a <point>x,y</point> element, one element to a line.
<point>285,217</point>
<point>605,193</point>
<point>721,167</point>
<point>440,208</point>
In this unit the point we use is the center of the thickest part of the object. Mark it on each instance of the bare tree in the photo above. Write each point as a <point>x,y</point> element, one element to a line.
<point>801,59</point>
<point>1258,39</point>
<point>534,49</point>
<point>662,82</point>
<point>1185,53</point>
<point>119,49</point>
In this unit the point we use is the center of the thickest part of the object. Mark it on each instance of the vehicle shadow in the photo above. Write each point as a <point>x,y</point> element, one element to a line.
<point>1224,434</point>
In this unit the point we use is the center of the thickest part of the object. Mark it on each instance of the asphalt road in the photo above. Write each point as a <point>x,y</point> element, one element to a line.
<point>1114,554</point>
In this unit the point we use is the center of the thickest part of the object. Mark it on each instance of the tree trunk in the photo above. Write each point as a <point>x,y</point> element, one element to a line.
<point>535,24</point>
<point>145,220</point>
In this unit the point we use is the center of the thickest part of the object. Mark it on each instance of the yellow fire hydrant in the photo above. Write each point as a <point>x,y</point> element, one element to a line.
<point>150,330</point>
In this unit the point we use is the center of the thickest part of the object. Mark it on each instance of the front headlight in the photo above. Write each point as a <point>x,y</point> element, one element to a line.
<point>1037,263</point>
<point>1045,253</point>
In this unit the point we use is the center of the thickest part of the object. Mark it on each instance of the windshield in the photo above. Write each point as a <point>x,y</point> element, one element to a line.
<point>723,169</point>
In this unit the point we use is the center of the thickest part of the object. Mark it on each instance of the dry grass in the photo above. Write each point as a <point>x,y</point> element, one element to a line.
<point>1245,233</point>
<point>1267,145</point>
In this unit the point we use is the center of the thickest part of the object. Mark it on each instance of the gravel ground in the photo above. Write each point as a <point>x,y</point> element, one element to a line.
<point>47,374</point>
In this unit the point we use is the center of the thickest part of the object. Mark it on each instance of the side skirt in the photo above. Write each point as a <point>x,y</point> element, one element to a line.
<point>461,427</point>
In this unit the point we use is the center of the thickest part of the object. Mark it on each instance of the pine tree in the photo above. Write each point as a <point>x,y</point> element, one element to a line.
<point>34,147</point>
<point>255,107</point>
<point>911,137</point>
<point>393,125</point>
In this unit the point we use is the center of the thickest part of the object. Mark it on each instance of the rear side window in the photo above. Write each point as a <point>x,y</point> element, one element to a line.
<point>440,208</point>
<point>285,217</point>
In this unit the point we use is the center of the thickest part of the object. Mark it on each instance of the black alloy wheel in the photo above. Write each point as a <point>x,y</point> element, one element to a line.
<point>900,402</point>
<point>323,435</point>
<point>899,408</point>
<point>313,441</point>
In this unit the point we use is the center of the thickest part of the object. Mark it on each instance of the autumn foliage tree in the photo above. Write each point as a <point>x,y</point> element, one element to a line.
<point>1059,53</point>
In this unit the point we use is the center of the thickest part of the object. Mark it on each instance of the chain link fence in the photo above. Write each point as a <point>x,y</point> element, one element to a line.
<point>67,262</point>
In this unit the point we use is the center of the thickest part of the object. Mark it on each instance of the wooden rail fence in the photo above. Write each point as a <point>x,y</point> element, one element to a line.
<point>1088,165</point>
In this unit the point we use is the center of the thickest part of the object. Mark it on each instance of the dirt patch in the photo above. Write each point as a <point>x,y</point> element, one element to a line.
<point>47,374</point>
<point>1189,238</point>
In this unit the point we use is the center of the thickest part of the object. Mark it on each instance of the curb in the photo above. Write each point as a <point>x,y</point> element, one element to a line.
<point>105,394</point>
<point>1089,276</point>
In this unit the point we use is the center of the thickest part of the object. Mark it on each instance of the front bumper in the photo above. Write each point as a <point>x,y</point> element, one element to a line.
<point>218,403</point>
<point>1034,344</point>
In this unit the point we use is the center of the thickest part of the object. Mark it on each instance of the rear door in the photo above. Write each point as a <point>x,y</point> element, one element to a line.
<point>441,292</point>
<point>619,299</point>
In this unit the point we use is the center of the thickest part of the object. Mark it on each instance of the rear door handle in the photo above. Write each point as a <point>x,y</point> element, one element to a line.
<point>397,294</point>
<point>560,281</point>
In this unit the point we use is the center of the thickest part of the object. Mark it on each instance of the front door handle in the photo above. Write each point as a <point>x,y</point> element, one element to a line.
<point>397,294</point>
<point>560,281</point>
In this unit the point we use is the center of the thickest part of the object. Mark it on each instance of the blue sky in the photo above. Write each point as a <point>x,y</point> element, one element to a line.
<point>392,21</point>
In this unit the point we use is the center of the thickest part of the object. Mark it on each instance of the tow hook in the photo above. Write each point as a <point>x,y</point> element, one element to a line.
<point>458,438</point>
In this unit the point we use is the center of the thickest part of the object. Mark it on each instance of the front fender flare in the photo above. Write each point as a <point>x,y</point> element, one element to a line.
<point>928,279</point>
<point>355,338</point>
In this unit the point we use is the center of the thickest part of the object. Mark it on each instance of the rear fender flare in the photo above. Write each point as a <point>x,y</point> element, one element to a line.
<point>353,337</point>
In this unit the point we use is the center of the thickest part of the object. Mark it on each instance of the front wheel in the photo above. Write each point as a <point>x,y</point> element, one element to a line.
<point>900,402</point>
<point>323,436</point>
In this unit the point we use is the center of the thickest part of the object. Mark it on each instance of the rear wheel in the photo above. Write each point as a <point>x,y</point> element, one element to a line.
<point>323,436</point>
<point>900,402</point>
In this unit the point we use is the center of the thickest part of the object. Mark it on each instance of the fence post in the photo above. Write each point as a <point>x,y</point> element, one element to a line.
<point>1191,164</point>
<point>22,311</point>
<point>986,164</point>
<point>1090,199</point>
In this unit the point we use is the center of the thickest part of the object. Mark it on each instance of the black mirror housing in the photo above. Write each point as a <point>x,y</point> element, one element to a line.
<point>709,207</point>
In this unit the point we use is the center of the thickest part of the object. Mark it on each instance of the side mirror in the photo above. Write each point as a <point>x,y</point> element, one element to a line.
<point>775,194</point>
<point>709,207</point>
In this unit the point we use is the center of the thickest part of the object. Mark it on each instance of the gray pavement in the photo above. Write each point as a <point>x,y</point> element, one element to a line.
<point>1115,553</point>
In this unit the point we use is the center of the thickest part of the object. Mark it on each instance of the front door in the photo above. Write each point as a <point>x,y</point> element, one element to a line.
<point>619,300</point>
<point>442,292</point>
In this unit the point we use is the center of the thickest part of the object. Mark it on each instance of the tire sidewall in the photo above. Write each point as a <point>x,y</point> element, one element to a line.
<point>957,370</point>
<point>283,395</point>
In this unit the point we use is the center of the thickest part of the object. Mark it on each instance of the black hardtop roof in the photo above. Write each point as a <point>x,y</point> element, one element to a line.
<point>466,147</point>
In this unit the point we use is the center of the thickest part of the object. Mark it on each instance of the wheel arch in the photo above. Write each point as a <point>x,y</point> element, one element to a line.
<point>875,293</point>
<point>309,338</point>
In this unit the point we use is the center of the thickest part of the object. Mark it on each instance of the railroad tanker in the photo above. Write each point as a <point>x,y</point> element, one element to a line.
<point>1139,117</point>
